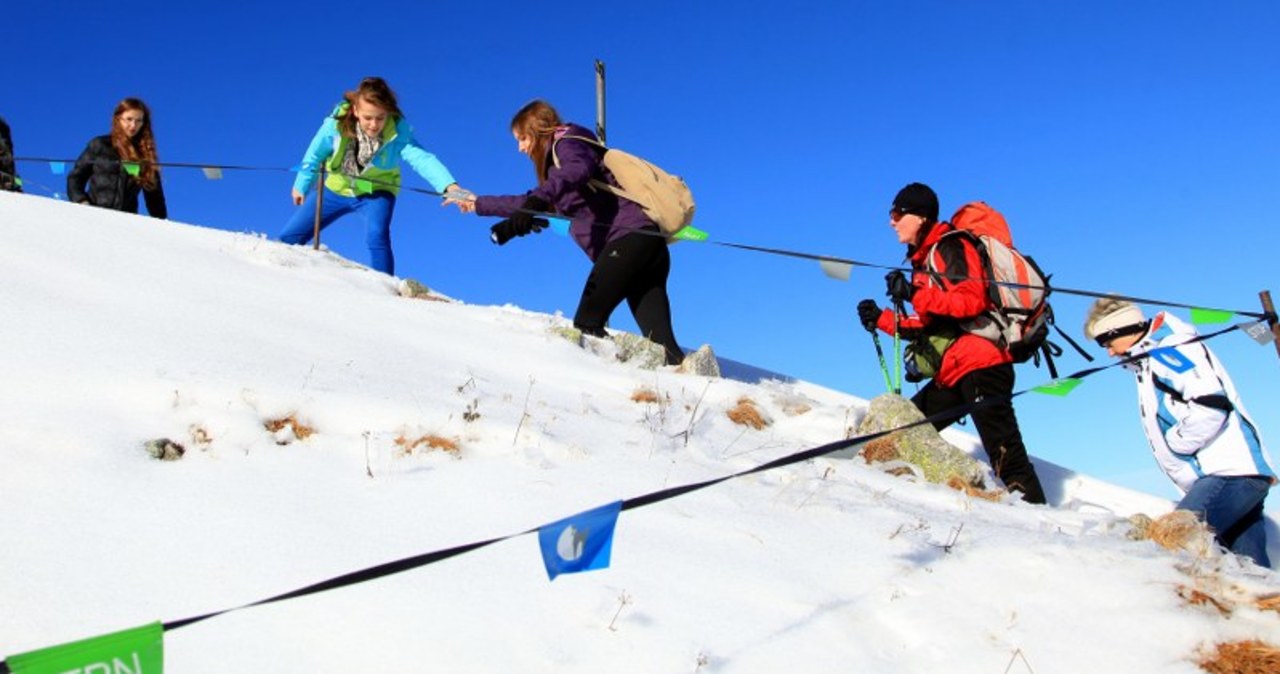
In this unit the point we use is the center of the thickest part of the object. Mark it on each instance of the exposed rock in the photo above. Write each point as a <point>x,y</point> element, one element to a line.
<point>922,447</point>
<point>164,449</point>
<point>701,362</point>
<point>640,351</point>
<point>569,333</point>
<point>414,290</point>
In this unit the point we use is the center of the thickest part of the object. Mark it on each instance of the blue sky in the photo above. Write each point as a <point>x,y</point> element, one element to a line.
<point>1131,145</point>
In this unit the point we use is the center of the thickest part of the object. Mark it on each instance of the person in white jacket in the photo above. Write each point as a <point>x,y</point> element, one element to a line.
<point>1199,431</point>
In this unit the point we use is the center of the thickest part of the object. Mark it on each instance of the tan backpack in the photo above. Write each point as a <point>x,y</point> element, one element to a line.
<point>665,198</point>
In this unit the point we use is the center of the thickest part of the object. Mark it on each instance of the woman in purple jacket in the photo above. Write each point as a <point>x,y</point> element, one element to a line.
<point>628,252</point>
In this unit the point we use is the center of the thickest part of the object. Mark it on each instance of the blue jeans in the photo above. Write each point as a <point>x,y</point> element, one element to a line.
<point>375,208</point>
<point>1232,507</point>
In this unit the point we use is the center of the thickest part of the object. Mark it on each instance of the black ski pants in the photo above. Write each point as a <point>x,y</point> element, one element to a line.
<point>633,268</point>
<point>995,421</point>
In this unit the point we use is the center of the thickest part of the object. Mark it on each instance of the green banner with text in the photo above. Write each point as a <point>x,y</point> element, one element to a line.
<point>134,651</point>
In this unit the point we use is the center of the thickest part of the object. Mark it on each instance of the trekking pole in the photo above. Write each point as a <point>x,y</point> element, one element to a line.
<point>600,100</point>
<point>884,369</point>
<point>319,205</point>
<point>897,347</point>
<point>1270,309</point>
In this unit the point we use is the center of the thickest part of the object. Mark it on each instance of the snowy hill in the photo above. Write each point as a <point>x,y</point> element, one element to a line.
<point>120,329</point>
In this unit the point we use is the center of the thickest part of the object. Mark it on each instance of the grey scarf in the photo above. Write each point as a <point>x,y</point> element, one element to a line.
<point>359,153</point>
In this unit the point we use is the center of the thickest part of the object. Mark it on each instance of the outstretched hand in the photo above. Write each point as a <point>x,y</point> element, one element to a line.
<point>463,198</point>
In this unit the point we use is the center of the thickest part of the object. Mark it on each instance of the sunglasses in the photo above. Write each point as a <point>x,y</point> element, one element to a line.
<point>1105,338</point>
<point>895,214</point>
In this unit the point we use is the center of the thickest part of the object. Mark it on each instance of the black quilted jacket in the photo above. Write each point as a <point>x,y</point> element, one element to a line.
<point>109,185</point>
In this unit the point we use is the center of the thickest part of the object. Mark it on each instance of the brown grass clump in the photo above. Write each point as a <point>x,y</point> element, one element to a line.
<point>796,408</point>
<point>1179,530</point>
<point>881,449</point>
<point>645,395</point>
<point>1269,602</point>
<point>431,441</point>
<point>1242,657</point>
<point>959,484</point>
<point>1197,597</point>
<point>745,413</point>
<point>301,431</point>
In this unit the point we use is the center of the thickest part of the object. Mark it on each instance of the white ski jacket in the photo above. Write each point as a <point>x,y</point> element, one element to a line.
<point>1190,411</point>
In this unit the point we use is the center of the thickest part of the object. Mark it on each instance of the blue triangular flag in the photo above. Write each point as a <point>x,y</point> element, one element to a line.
<point>59,168</point>
<point>579,543</point>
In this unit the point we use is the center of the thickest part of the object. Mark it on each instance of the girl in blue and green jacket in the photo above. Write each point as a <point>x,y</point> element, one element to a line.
<point>361,145</point>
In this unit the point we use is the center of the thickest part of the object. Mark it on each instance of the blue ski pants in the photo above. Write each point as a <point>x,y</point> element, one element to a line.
<point>375,208</point>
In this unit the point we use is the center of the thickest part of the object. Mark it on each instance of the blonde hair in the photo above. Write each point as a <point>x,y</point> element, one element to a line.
<point>1107,307</point>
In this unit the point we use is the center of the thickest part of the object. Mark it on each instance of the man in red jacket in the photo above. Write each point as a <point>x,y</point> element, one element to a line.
<point>947,288</point>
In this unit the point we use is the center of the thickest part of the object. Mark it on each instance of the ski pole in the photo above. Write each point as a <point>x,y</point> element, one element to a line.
<point>884,369</point>
<point>897,347</point>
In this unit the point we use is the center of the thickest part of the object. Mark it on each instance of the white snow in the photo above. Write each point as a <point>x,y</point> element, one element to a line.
<point>119,329</point>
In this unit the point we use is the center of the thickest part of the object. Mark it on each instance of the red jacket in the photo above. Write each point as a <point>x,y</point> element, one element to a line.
<point>945,299</point>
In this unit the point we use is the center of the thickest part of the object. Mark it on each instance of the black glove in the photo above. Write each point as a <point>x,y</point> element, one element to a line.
<point>899,287</point>
<point>869,313</point>
<point>521,222</point>
<point>509,229</point>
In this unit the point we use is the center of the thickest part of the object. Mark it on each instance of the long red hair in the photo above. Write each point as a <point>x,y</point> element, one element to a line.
<point>537,120</point>
<point>373,90</point>
<point>141,148</point>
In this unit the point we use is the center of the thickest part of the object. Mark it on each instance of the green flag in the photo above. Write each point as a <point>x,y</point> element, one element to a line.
<point>1058,387</point>
<point>134,651</point>
<point>690,234</point>
<point>1202,316</point>
<point>132,168</point>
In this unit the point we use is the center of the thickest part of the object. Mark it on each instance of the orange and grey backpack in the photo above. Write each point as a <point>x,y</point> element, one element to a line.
<point>1018,289</point>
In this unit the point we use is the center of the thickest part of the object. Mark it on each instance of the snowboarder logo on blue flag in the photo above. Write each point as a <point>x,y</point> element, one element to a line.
<point>579,543</point>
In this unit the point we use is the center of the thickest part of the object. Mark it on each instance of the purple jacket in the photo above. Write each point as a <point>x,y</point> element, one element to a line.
<point>598,217</point>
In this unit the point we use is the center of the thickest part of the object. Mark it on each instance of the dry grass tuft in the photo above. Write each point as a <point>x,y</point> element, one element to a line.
<point>645,395</point>
<point>960,484</point>
<point>1242,657</point>
<point>745,413</point>
<point>881,449</point>
<point>1179,530</point>
<point>301,431</point>
<point>1197,597</point>
<point>430,441</point>
<point>1269,602</point>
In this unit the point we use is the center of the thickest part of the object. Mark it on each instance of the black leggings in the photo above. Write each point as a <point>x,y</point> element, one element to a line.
<point>633,268</point>
<point>996,424</point>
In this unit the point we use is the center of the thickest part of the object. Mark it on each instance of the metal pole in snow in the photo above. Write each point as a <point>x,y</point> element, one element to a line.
<point>319,205</point>
<point>600,101</point>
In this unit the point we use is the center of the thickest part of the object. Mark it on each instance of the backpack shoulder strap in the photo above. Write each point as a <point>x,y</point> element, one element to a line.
<point>555,158</point>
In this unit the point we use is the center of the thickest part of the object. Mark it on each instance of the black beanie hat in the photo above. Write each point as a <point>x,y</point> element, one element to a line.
<point>917,199</point>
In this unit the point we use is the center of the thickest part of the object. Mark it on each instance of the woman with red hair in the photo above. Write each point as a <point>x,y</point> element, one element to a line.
<point>115,167</point>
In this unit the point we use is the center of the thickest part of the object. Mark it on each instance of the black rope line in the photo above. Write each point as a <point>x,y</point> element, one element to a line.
<point>418,561</point>
<point>782,252</point>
